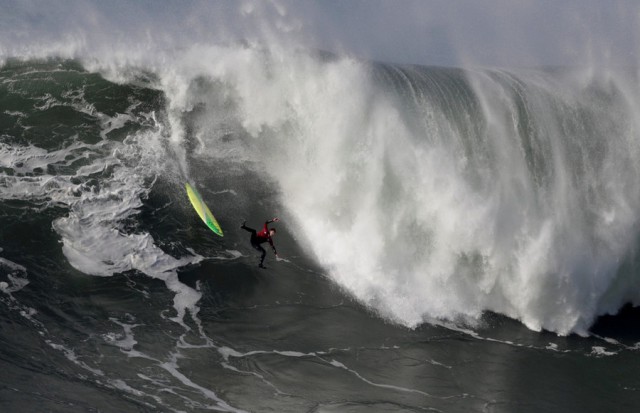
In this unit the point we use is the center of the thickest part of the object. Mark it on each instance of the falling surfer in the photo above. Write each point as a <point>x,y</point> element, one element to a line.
<point>257,238</point>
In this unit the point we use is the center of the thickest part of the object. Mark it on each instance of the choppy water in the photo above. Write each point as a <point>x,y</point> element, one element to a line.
<point>445,234</point>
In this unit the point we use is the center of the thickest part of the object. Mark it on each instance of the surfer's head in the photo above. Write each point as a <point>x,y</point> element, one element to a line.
<point>272,232</point>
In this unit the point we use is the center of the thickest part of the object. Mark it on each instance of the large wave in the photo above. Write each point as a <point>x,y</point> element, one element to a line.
<point>433,193</point>
<point>427,193</point>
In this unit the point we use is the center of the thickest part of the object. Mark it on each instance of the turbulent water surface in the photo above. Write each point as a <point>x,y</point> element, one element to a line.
<point>451,240</point>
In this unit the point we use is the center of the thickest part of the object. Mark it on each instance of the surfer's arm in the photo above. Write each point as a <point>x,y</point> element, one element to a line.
<point>270,221</point>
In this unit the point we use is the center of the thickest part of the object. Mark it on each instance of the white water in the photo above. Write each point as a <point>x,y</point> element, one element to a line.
<point>92,235</point>
<point>99,198</point>
<point>403,219</point>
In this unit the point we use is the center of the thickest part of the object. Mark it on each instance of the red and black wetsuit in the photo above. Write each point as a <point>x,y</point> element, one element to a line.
<point>261,237</point>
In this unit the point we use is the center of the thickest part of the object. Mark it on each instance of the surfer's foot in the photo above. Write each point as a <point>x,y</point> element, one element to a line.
<point>262,266</point>
<point>243,224</point>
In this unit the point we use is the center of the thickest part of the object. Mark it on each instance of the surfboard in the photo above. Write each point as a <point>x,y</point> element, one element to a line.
<point>203,210</point>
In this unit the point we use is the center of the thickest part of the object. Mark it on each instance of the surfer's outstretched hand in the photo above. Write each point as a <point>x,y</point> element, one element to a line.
<point>275,219</point>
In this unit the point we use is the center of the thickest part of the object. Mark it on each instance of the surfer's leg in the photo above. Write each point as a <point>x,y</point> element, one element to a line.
<point>256,245</point>
<point>264,253</point>
<point>246,228</point>
<point>253,240</point>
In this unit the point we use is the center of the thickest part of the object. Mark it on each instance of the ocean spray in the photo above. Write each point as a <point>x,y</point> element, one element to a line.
<point>440,194</point>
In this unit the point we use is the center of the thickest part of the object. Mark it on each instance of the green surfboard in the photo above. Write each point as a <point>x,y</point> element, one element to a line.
<point>203,210</point>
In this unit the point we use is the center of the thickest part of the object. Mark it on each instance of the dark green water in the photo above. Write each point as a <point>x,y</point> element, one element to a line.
<point>116,298</point>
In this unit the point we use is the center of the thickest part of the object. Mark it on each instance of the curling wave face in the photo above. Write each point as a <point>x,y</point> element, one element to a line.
<point>434,193</point>
<point>428,193</point>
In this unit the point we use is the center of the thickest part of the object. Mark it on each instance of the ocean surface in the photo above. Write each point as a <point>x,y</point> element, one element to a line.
<point>450,240</point>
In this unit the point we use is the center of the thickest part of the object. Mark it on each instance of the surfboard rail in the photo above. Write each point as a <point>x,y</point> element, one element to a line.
<point>203,210</point>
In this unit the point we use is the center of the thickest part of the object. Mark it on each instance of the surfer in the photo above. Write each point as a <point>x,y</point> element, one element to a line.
<point>257,238</point>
